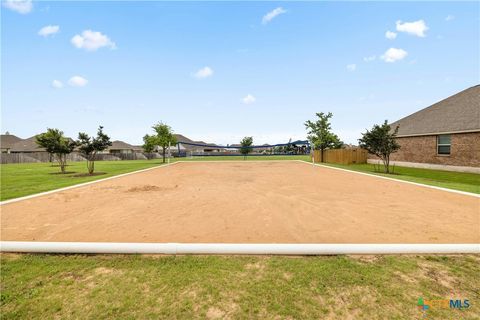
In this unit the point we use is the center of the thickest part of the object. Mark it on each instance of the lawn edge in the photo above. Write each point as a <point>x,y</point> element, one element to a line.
<point>44,193</point>
<point>476,195</point>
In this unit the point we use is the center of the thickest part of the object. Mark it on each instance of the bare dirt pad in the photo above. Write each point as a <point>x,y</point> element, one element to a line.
<point>264,202</point>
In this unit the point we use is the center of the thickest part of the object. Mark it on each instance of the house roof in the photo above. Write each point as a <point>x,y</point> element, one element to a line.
<point>458,113</point>
<point>182,138</point>
<point>120,145</point>
<point>8,140</point>
<point>26,145</point>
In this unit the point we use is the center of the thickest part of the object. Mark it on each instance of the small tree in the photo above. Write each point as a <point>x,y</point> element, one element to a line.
<point>56,144</point>
<point>148,143</point>
<point>90,146</point>
<point>320,134</point>
<point>162,138</point>
<point>381,141</point>
<point>246,146</point>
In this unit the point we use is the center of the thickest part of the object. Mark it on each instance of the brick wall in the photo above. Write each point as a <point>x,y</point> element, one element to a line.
<point>464,151</point>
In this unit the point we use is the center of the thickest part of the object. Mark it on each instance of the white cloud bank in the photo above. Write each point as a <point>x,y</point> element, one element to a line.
<point>390,35</point>
<point>203,73</point>
<point>351,67</point>
<point>394,54</point>
<point>57,84</point>
<point>249,99</point>
<point>92,41</point>
<point>77,81</point>
<point>272,14</point>
<point>48,30</point>
<point>20,6</point>
<point>417,28</point>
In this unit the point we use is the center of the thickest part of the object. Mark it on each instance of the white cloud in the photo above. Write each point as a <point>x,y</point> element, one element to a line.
<point>394,54</point>
<point>370,58</point>
<point>48,30</point>
<point>449,18</point>
<point>20,6</point>
<point>390,35</point>
<point>77,81</point>
<point>92,41</point>
<point>249,99</point>
<point>203,73</point>
<point>272,14</point>
<point>57,84</point>
<point>351,67</point>
<point>417,28</point>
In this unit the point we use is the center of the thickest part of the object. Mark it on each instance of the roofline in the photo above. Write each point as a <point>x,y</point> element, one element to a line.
<point>437,133</point>
<point>434,104</point>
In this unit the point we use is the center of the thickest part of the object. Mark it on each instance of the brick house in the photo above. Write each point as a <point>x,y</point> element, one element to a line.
<point>445,135</point>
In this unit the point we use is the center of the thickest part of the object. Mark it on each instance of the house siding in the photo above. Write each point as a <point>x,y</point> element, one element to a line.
<point>465,150</point>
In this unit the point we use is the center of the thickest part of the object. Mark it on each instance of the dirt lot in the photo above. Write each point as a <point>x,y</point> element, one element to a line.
<point>283,202</point>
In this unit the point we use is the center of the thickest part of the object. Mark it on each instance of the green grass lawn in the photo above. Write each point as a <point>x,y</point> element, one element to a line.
<point>19,180</point>
<point>217,287</point>
<point>469,182</point>
<point>24,179</point>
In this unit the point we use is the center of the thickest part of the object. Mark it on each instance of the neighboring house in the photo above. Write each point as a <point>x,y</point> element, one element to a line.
<point>7,140</point>
<point>28,145</point>
<point>187,147</point>
<point>121,147</point>
<point>442,135</point>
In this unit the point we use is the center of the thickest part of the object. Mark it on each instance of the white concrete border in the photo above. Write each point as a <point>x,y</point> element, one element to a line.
<point>397,180</point>
<point>82,184</point>
<point>235,248</point>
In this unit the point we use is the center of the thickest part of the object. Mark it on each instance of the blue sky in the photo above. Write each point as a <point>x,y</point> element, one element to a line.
<point>218,71</point>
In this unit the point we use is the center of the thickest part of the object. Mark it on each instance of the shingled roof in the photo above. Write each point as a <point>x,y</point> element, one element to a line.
<point>120,145</point>
<point>8,140</point>
<point>27,145</point>
<point>458,113</point>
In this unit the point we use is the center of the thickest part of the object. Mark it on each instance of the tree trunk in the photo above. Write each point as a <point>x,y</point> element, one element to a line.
<point>61,162</point>
<point>163,156</point>
<point>385,164</point>
<point>321,155</point>
<point>91,163</point>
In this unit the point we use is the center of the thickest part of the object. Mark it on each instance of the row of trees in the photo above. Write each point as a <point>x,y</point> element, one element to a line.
<point>380,140</point>
<point>59,146</point>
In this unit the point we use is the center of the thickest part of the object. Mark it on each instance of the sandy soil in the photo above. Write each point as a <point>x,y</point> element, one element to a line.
<point>283,202</point>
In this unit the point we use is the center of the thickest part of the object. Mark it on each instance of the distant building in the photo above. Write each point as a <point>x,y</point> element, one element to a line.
<point>122,147</point>
<point>28,145</point>
<point>7,140</point>
<point>445,135</point>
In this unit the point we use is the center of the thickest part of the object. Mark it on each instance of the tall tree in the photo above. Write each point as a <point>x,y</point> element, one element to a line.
<point>56,144</point>
<point>90,146</point>
<point>246,146</point>
<point>381,141</point>
<point>320,133</point>
<point>162,138</point>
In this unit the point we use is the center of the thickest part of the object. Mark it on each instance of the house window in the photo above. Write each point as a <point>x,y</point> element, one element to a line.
<point>443,144</point>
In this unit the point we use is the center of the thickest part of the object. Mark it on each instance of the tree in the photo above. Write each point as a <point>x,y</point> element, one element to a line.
<point>148,143</point>
<point>163,138</point>
<point>320,134</point>
<point>246,146</point>
<point>381,141</point>
<point>90,146</point>
<point>56,144</point>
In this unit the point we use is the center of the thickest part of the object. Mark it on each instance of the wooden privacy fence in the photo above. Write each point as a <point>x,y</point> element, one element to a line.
<point>342,156</point>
